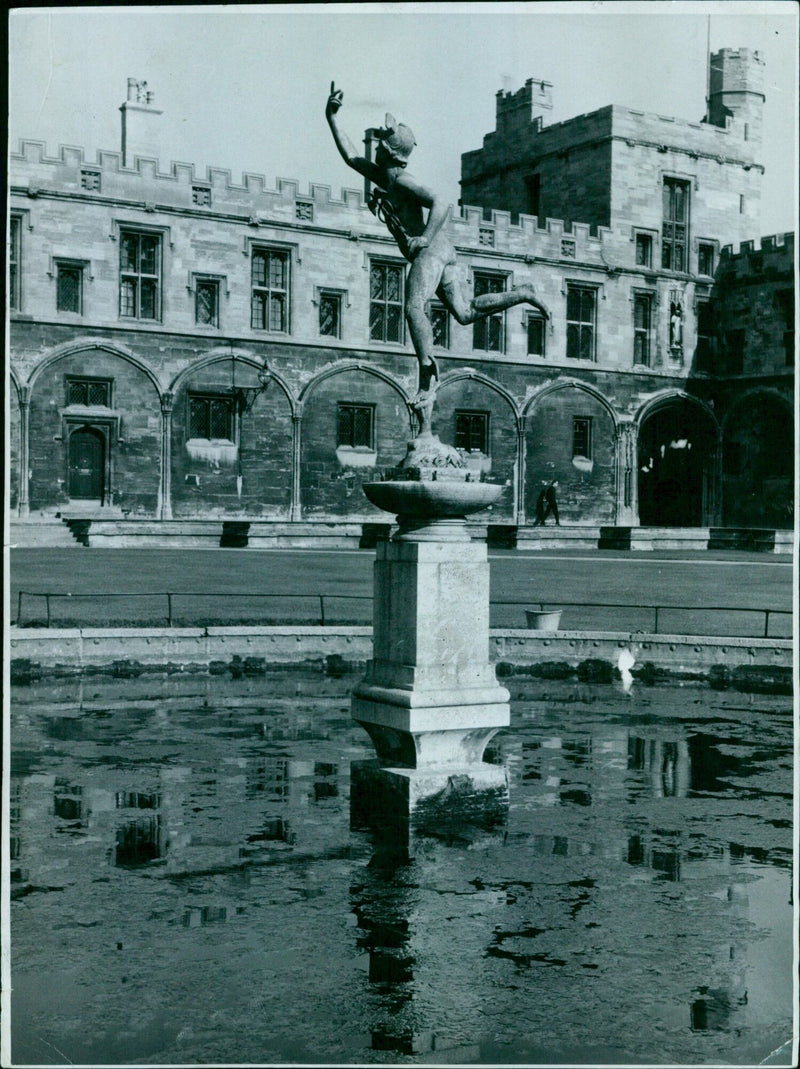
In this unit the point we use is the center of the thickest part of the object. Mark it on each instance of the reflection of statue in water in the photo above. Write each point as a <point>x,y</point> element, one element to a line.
<point>398,201</point>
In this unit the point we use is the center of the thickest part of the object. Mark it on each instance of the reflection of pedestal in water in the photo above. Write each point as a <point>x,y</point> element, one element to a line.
<point>430,699</point>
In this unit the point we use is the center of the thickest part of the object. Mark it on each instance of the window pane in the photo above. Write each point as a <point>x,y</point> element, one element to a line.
<point>573,304</point>
<point>362,425</point>
<point>587,306</point>
<point>329,316</point>
<point>258,311</point>
<point>259,269</point>
<point>376,322</point>
<point>680,202</point>
<point>206,303</point>
<point>355,426</point>
<point>643,250</point>
<point>488,284</point>
<point>277,275</point>
<point>97,393</point>
<point>198,418</point>
<point>376,283</point>
<point>393,284</point>
<point>127,298</point>
<point>440,325</point>
<point>220,427</point>
<point>462,431</point>
<point>344,432</point>
<point>148,299</point>
<point>68,290</point>
<point>535,336</point>
<point>587,336</point>
<point>581,437</point>
<point>277,319</point>
<point>129,246</point>
<point>394,323</point>
<point>149,249</point>
<point>77,393</point>
<point>573,350</point>
<point>495,330</point>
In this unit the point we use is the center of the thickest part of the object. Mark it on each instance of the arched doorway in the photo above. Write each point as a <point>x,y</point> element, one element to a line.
<point>677,466</point>
<point>758,463</point>
<point>86,465</point>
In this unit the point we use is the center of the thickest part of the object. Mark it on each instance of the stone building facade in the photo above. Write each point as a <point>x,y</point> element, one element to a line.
<point>190,346</point>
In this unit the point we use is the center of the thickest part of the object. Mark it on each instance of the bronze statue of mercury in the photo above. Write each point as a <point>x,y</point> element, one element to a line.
<point>399,201</point>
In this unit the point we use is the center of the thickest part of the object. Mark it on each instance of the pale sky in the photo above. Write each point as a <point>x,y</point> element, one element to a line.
<point>244,87</point>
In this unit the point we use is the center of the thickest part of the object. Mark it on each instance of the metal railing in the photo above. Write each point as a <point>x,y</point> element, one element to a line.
<point>323,605</point>
<point>49,596</point>
<point>658,611</point>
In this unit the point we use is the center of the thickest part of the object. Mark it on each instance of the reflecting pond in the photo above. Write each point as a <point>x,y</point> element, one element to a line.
<point>186,886</point>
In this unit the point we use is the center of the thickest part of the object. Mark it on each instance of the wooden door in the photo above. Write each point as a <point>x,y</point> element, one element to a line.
<point>86,464</point>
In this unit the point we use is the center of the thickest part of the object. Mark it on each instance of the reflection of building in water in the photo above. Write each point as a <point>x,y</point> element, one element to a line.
<point>666,760</point>
<point>180,817</point>
<point>585,770</point>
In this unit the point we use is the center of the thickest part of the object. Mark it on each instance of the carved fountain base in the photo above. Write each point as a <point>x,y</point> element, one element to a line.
<point>430,700</point>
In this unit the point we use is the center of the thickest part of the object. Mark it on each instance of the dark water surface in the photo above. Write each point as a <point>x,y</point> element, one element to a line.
<point>186,887</point>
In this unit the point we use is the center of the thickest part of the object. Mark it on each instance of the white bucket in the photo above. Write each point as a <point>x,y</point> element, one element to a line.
<point>543,620</point>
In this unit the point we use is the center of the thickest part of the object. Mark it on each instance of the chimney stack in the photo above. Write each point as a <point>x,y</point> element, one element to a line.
<point>141,135</point>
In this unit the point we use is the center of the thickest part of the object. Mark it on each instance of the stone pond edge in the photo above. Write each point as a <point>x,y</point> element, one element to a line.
<point>745,663</point>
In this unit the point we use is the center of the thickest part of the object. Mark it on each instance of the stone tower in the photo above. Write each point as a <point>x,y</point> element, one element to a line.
<point>736,93</point>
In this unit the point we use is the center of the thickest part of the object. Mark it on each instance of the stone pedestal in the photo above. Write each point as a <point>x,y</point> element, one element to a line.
<point>430,698</point>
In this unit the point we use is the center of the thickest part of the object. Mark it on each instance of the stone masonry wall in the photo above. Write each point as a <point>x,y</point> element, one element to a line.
<point>135,447</point>
<point>205,476</point>
<point>585,492</point>
<point>330,243</point>
<point>331,476</point>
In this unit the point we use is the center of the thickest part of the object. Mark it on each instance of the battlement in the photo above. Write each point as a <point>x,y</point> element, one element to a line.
<point>517,110</point>
<point>781,245</point>
<point>62,172</point>
<point>145,182</point>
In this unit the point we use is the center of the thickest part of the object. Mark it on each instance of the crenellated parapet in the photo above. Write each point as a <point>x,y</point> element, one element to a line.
<point>781,244</point>
<point>750,261</point>
<point>529,236</point>
<point>180,185</point>
<point>213,193</point>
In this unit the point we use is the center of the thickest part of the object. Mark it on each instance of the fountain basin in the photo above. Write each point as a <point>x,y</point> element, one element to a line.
<point>432,499</point>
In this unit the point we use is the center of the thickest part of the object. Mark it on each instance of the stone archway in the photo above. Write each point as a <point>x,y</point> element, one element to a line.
<point>111,401</point>
<point>758,462</point>
<point>677,475</point>
<point>570,439</point>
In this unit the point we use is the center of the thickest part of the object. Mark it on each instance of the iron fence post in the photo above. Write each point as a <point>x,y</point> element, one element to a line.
<point>19,608</point>
<point>322,610</point>
<point>766,623</point>
<point>47,602</point>
<point>655,620</point>
<point>169,609</point>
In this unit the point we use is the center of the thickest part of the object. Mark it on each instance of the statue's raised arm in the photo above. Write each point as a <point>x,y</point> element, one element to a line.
<point>347,149</point>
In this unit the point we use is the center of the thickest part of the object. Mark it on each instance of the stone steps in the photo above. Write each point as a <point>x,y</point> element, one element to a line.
<point>73,530</point>
<point>552,537</point>
<point>35,533</point>
<point>646,539</point>
<point>749,538</point>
